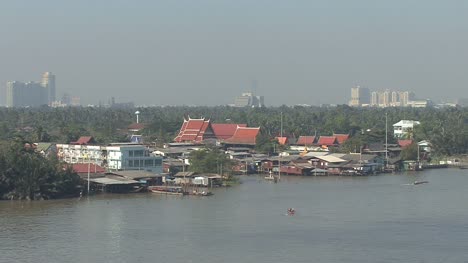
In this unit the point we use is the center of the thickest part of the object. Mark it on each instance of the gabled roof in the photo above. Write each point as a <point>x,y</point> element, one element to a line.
<point>244,135</point>
<point>341,138</point>
<point>224,131</point>
<point>194,130</point>
<point>327,140</point>
<point>43,146</point>
<point>331,159</point>
<point>406,123</point>
<point>305,140</point>
<point>404,143</point>
<point>282,140</point>
<point>136,126</point>
<point>84,140</point>
<point>82,168</point>
<point>315,154</point>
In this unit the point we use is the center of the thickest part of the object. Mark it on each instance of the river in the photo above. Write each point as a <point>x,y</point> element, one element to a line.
<point>339,219</point>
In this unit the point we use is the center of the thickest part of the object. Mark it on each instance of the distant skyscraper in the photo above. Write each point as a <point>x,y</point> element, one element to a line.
<point>359,96</point>
<point>249,100</point>
<point>48,82</point>
<point>375,98</point>
<point>29,94</point>
<point>387,98</point>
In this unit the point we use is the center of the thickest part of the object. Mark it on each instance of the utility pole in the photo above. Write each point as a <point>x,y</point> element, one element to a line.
<point>279,162</point>
<point>386,141</point>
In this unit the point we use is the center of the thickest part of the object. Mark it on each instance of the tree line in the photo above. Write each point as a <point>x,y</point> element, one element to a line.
<point>445,128</point>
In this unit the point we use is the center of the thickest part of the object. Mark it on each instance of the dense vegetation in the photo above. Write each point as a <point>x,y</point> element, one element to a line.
<point>446,129</point>
<point>210,160</point>
<point>27,174</point>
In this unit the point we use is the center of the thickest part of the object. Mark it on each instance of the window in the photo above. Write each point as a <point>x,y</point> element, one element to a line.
<point>157,162</point>
<point>149,163</point>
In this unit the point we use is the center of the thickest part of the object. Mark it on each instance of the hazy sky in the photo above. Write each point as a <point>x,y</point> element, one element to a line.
<point>204,52</point>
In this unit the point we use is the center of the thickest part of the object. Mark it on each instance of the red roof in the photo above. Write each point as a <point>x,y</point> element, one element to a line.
<point>282,140</point>
<point>136,126</point>
<point>327,140</point>
<point>195,130</point>
<point>341,138</point>
<point>404,143</point>
<point>305,140</point>
<point>244,135</point>
<point>84,140</point>
<point>224,131</point>
<point>82,168</point>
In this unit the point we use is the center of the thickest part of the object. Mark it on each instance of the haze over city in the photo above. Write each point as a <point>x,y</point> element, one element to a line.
<point>209,52</point>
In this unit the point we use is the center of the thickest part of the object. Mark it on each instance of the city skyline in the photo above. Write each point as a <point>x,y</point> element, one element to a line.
<point>208,52</point>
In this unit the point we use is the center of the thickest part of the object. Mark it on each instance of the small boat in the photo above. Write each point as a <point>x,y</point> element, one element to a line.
<point>420,182</point>
<point>270,177</point>
<point>168,190</point>
<point>291,211</point>
<point>201,193</point>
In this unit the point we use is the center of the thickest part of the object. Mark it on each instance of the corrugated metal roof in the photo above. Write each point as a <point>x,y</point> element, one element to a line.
<point>136,174</point>
<point>109,181</point>
<point>315,154</point>
<point>331,159</point>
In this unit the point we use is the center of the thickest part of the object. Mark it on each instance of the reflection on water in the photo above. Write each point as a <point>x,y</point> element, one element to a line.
<point>339,219</point>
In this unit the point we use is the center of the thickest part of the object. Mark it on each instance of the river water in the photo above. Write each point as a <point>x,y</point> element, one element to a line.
<point>339,219</point>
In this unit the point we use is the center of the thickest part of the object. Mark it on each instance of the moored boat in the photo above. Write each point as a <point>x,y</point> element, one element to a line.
<point>168,190</point>
<point>200,193</point>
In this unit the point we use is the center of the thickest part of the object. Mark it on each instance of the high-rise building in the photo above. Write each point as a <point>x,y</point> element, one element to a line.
<point>359,96</point>
<point>48,82</point>
<point>29,94</point>
<point>374,98</point>
<point>387,98</point>
<point>247,99</point>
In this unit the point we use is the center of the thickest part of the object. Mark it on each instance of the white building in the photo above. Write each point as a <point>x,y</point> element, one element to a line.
<point>133,157</point>
<point>114,157</point>
<point>404,128</point>
<point>71,153</point>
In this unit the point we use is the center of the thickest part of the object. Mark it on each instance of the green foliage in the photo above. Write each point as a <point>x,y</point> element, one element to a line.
<point>266,144</point>
<point>210,160</point>
<point>446,129</point>
<point>26,174</point>
<point>410,152</point>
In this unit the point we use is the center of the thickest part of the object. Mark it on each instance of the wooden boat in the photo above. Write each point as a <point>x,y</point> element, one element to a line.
<point>168,190</point>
